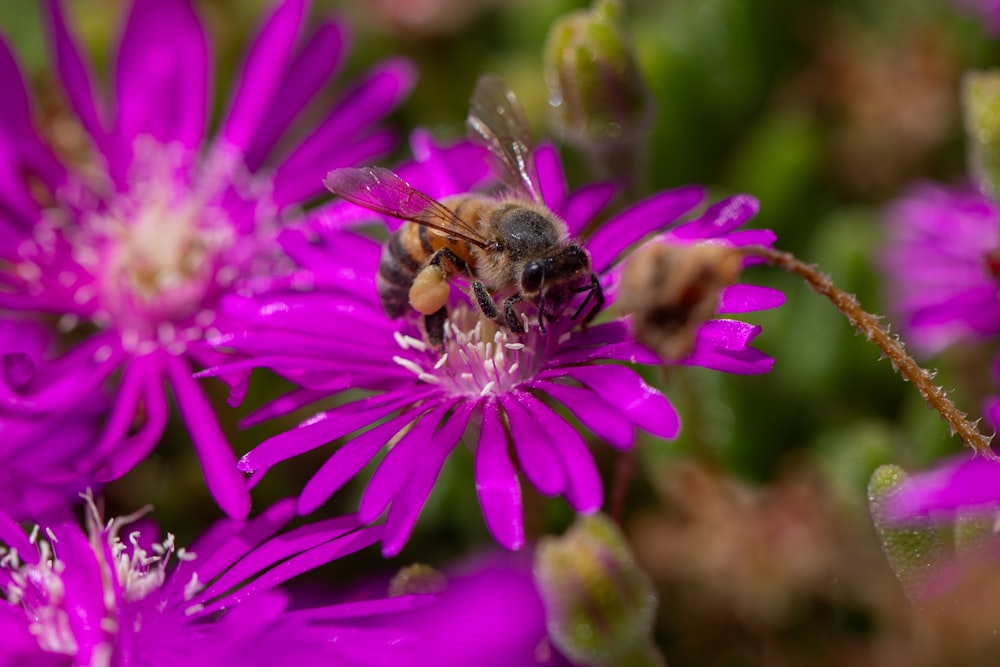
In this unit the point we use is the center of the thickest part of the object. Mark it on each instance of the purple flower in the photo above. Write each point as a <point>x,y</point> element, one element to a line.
<point>937,250</point>
<point>46,459</point>
<point>959,484</point>
<point>490,615</point>
<point>140,244</point>
<point>988,10</point>
<point>101,597</point>
<point>495,388</point>
<point>941,260</point>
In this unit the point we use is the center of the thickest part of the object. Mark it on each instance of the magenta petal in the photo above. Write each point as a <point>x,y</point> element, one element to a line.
<point>584,204</point>
<point>162,76</point>
<point>324,428</point>
<point>274,551</point>
<point>747,361</point>
<point>263,73</point>
<point>405,510</point>
<point>317,62</point>
<point>83,584</point>
<point>650,215</point>
<point>136,447</point>
<point>123,412</point>
<point>75,75</point>
<point>12,536</point>
<point>15,120</point>
<point>742,298</point>
<point>645,406</point>
<point>720,219</point>
<point>349,460</point>
<point>227,541</point>
<point>551,177</point>
<point>296,565</point>
<point>398,465</point>
<point>224,482</point>
<point>601,417</point>
<point>497,484</point>
<point>535,452</point>
<point>583,485</point>
<point>962,483</point>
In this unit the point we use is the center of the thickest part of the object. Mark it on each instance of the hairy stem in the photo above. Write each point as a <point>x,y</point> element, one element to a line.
<point>891,346</point>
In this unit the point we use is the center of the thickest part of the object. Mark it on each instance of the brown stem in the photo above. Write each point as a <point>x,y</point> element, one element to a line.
<point>890,345</point>
<point>624,468</point>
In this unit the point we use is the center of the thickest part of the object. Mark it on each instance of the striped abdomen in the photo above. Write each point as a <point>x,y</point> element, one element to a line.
<point>408,250</point>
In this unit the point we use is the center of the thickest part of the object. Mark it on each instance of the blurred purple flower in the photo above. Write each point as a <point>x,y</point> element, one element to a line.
<point>988,10</point>
<point>330,335</point>
<point>94,598</point>
<point>941,261</point>
<point>142,242</point>
<point>938,242</point>
<point>959,484</point>
<point>46,459</point>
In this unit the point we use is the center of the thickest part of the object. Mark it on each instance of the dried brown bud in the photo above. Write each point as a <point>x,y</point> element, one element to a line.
<point>671,290</point>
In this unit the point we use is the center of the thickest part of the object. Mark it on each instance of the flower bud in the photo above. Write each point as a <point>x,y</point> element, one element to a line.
<point>417,579</point>
<point>601,103</point>
<point>911,545</point>
<point>599,605</point>
<point>671,290</point>
<point>981,106</point>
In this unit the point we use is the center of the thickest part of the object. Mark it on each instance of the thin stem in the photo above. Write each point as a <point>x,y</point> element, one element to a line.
<point>625,466</point>
<point>890,344</point>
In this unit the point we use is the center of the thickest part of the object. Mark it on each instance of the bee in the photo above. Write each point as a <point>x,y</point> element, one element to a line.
<point>510,247</point>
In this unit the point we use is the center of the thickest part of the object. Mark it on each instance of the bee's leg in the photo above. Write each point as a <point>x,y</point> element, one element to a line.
<point>430,289</point>
<point>485,300</point>
<point>594,291</point>
<point>434,323</point>
<point>541,312</point>
<point>510,315</point>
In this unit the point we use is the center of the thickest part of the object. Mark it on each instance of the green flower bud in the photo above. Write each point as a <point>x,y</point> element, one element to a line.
<point>913,548</point>
<point>981,106</point>
<point>600,100</point>
<point>600,606</point>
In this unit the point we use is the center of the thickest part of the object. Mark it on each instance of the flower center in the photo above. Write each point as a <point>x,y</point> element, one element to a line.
<point>152,257</point>
<point>477,359</point>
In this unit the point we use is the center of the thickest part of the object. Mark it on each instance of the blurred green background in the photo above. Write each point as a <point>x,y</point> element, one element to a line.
<point>824,110</point>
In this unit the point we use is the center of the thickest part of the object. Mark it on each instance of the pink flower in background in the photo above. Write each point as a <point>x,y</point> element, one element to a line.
<point>941,261</point>
<point>497,390</point>
<point>936,250</point>
<point>136,249</point>
<point>119,595</point>
<point>988,10</point>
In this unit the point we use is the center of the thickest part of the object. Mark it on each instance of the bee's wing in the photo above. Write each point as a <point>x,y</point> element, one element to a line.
<point>384,192</point>
<point>496,121</point>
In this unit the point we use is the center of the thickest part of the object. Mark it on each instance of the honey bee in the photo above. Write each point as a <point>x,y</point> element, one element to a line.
<point>510,247</point>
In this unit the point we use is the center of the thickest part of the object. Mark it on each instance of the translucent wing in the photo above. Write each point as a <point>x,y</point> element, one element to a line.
<point>496,121</point>
<point>384,192</point>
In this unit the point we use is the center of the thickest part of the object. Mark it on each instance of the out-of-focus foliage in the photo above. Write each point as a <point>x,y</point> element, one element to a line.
<point>754,523</point>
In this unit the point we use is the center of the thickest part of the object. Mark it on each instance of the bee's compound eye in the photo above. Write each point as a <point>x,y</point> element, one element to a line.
<point>533,276</point>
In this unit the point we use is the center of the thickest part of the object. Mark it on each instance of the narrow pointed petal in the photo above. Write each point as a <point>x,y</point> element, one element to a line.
<point>407,506</point>
<point>397,467</point>
<point>162,74</point>
<point>648,216</point>
<point>263,72</point>
<point>535,452</point>
<point>224,481</point>
<point>645,406</point>
<point>497,484</point>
